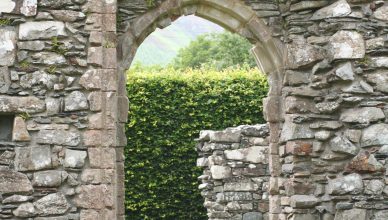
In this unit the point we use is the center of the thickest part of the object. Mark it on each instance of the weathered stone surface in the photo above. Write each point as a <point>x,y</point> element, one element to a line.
<point>25,210</point>
<point>380,79</point>
<point>14,182</point>
<point>54,3</point>
<point>302,53</point>
<point>375,135</point>
<point>17,199</point>
<point>303,201</point>
<point>99,79</point>
<point>347,45</point>
<point>33,158</point>
<point>330,125</point>
<point>300,148</point>
<point>231,136</point>
<point>382,13</point>
<point>21,104</point>
<point>49,58</point>
<point>233,196</point>
<point>239,186</point>
<point>58,137</point>
<point>380,215</point>
<point>31,45</point>
<point>351,183</point>
<point>341,144</point>
<point>7,46</point>
<point>49,178</point>
<point>379,62</point>
<point>255,154</point>
<point>351,214</point>
<point>364,162</point>
<point>338,9</point>
<point>97,176</point>
<point>327,107</point>
<point>93,197</point>
<point>38,78</point>
<point>364,115</point>
<point>294,105</point>
<point>75,158</point>
<point>345,72</point>
<point>76,101</point>
<point>253,216</point>
<point>35,30</point>
<point>102,157</point>
<point>5,80</point>
<point>29,7</point>
<point>220,172</point>
<point>375,187</point>
<point>7,6</point>
<point>52,204</point>
<point>20,132</point>
<point>91,214</point>
<point>293,131</point>
<point>67,15</point>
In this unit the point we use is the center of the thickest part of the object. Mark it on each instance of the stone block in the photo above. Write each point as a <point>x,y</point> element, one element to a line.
<point>347,45</point>
<point>7,46</point>
<point>234,196</point>
<point>58,137</point>
<point>93,197</point>
<point>340,8</point>
<point>351,183</point>
<point>49,178</point>
<point>300,148</point>
<point>102,158</point>
<point>363,115</point>
<point>256,154</point>
<point>52,204</point>
<point>97,176</point>
<point>303,201</point>
<point>33,158</point>
<point>376,134</point>
<point>20,132</point>
<point>253,216</point>
<point>36,30</point>
<point>25,210</point>
<point>5,80</point>
<point>231,136</point>
<point>76,101</point>
<point>341,144</point>
<point>14,182</point>
<point>74,158</point>
<point>351,214</point>
<point>220,172</point>
<point>27,104</point>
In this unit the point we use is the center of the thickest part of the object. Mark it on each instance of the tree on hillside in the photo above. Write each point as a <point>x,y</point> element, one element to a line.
<point>219,50</point>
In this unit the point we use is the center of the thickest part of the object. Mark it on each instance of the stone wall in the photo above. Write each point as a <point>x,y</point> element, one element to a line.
<point>55,83</point>
<point>236,176</point>
<point>63,102</point>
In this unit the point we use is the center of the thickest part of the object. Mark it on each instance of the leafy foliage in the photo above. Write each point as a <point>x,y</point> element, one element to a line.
<point>217,50</point>
<point>168,108</point>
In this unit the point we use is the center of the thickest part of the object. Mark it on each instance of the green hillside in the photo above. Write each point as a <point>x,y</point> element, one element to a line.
<point>162,45</point>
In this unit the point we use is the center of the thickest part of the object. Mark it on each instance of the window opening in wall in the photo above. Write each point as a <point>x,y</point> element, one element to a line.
<point>188,77</point>
<point>6,127</point>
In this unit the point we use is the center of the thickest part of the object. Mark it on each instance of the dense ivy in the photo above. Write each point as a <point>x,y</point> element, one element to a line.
<point>167,110</point>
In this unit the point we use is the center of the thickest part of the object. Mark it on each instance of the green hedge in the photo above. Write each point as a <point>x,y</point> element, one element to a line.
<point>167,110</point>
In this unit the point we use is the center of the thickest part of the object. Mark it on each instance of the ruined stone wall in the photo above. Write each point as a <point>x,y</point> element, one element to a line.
<point>236,175</point>
<point>57,74</point>
<point>63,106</point>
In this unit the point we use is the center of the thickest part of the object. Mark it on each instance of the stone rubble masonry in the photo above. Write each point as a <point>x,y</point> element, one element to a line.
<point>62,81</point>
<point>235,179</point>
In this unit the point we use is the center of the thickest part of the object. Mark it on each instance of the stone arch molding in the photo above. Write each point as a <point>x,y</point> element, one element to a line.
<point>232,15</point>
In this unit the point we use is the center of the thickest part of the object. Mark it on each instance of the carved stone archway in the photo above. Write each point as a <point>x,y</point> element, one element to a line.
<point>232,15</point>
